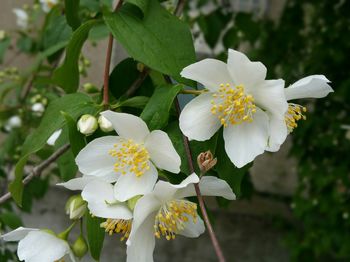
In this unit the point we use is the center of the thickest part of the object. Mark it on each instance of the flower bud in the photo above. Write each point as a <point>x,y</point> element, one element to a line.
<point>75,207</point>
<point>87,124</point>
<point>206,161</point>
<point>105,124</point>
<point>13,122</point>
<point>132,202</point>
<point>80,247</point>
<point>38,108</point>
<point>90,88</point>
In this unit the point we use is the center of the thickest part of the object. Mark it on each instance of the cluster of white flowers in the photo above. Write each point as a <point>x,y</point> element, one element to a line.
<point>120,173</point>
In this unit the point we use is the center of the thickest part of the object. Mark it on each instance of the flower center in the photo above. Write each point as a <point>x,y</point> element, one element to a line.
<point>131,158</point>
<point>172,216</point>
<point>293,115</point>
<point>121,226</point>
<point>232,105</point>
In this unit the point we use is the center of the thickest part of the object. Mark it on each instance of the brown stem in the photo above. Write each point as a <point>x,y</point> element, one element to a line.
<point>180,7</point>
<point>211,231</point>
<point>137,83</point>
<point>38,170</point>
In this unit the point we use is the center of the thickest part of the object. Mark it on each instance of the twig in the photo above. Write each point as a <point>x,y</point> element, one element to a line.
<point>137,83</point>
<point>211,231</point>
<point>180,7</point>
<point>38,170</point>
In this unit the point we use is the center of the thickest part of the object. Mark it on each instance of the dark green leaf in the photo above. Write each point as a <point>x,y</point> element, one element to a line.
<point>160,40</point>
<point>4,45</point>
<point>76,139</point>
<point>156,112</point>
<point>72,13</point>
<point>95,235</point>
<point>67,76</point>
<point>136,101</point>
<point>11,220</point>
<point>142,4</point>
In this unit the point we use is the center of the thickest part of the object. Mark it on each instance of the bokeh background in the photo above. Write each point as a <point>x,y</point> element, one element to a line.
<point>294,204</point>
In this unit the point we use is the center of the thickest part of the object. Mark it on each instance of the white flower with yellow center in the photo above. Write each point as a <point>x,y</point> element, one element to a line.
<point>130,158</point>
<point>314,86</point>
<point>47,5</point>
<point>165,213</point>
<point>38,245</point>
<point>238,98</point>
<point>22,18</point>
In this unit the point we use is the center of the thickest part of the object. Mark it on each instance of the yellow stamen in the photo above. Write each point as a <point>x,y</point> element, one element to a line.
<point>117,226</point>
<point>293,115</point>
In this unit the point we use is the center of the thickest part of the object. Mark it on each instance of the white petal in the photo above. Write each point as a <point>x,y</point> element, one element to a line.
<point>17,234</point>
<point>278,132</point>
<point>94,160</point>
<point>196,120</point>
<point>129,185</point>
<point>193,229</point>
<point>209,72</point>
<point>162,151</point>
<point>243,142</point>
<point>80,182</point>
<point>127,125</point>
<point>52,139</point>
<point>41,246</point>
<point>270,96</point>
<point>243,71</point>
<point>101,202</point>
<point>142,242</point>
<point>165,191</point>
<point>314,86</point>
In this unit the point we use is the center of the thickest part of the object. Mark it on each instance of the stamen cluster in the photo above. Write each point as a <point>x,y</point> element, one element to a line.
<point>293,115</point>
<point>117,226</point>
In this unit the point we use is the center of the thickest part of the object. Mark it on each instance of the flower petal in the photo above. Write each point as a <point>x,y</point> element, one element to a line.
<point>245,141</point>
<point>270,96</point>
<point>209,72</point>
<point>314,86</point>
<point>278,132</point>
<point>94,159</point>
<point>196,120</point>
<point>127,125</point>
<point>193,229</point>
<point>209,186</point>
<point>243,71</point>
<point>101,202</point>
<point>80,182</point>
<point>17,234</point>
<point>129,185</point>
<point>162,151</point>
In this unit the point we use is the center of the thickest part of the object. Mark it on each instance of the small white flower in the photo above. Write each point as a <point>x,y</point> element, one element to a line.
<point>105,124</point>
<point>47,5</point>
<point>22,18</point>
<point>13,122</point>
<point>239,99</point>
<point>313,86</point>
<point>130,158</point>
<point>38,245</point>
<point>165,213</point>
<point>87,124</point>
<point>38,108</point>
<point>53,138</point>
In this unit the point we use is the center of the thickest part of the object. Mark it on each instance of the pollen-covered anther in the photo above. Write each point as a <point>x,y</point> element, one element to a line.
<point>120,226</point>
<point>293,115</point>
<point>172,216</point>
<point>232,105</point>
<point>131,158</point>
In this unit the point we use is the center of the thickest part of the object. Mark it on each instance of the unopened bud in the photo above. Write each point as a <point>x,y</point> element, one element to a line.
<point>206,161</point>
<point>90,88</point>
<point>13,122</point>
<point>38,108</point>
<point>105,124</point>
<point>76,207</point>
<point>80,247</point>
<point>87,124</point>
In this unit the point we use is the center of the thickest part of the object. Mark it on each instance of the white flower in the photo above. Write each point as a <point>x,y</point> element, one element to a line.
<point>75,207</point>
<point>38,108</point>
<point>129,158</point>
<point>239,99</point>
<point>87,124</point>
<point>47,5</point>
<point>22,18</point>
<point>13,122</point>
<point>314,86</point>
<point>105,124</point>
<point>53,138</point>
<point>165,212</point>
<point>37,245</point>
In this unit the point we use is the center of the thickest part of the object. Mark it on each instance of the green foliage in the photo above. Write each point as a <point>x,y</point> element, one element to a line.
<point>160,40</point>
<point>11,219</point>
<point>95,235</point>
<point>72,13</point>
<point>142,4</point>
<point>76,139</point>
<point>4,44</point>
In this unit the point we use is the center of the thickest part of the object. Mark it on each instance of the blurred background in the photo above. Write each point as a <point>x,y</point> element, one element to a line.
<point>294,204</point>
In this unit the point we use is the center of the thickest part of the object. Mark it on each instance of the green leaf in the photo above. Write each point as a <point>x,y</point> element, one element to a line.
<point>72,13</point>
<point>75,105</point>
<point>10,219</point>
<point>136,101</point>
<point>4,44</point>
<point>76,139</point>
<point>142,4</point>
<point>95,235</point>
<point>67,76</point>
<point>98,32</point>
<point>161,40</point>
<point>157,110</point>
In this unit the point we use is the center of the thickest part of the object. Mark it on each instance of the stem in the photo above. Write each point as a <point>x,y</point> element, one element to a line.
<point>180,7</point>
<point>211,231</point>
<point>192,92</point>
